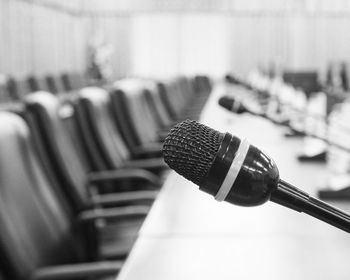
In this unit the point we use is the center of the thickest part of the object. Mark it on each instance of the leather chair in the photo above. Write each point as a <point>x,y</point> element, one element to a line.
<point>97,124</point>
<point>11,88</point>
<point>22,89</point>
<point>4,94</point>
<point>133,115</point>
<point>181,100</point>
<point>143,119</point>
<point>77,80</point>
<point>39,238</point>
<point>157,107</point>
<point>52,123</point>
<point>33,84</point>
<point>67,86</point>
<point>73,81</point>
<point>42,84</point>
<point>59,84</point>
<point>123,120</point>
<point>51,84</point>
<point>55,84</point>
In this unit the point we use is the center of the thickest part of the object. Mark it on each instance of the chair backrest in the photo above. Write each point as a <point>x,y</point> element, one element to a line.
<point>142,119</point>
<point>157,107</point>
<point>59,84</point>
<point>202,84</point>
<point>35,230</point>
<point>95,118</point>
<point>12,89</point>
<point>163,92</point>
<point>66,82</point>
<point>51,84</point>
<point>17,89</point>
<point>122,118</point>
<point>42,84</point>
<point>4,94</point>
<point>33,84</point>
<point>77,80</point>
<point>23,88</point>
<point>50,120</point>
<point>73,81</point>
<point>173,98</point>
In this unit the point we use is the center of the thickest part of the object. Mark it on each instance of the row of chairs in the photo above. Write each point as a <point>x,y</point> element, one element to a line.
<point>12,89</point>
<point>80,171</point>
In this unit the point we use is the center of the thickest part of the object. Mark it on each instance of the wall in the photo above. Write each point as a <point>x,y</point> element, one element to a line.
<point>40,39</point>
<point>159,37</point>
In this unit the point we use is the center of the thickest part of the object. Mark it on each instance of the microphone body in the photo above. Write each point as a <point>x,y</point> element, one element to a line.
<point>234,171</point>
<point>252,187</point>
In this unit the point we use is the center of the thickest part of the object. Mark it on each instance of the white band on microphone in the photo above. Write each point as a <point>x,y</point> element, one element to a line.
<point>232,173</point>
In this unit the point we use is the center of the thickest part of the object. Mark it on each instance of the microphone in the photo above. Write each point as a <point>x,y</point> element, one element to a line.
<point>237,107</point>
<point>232,105</point>
<point>234,171</point>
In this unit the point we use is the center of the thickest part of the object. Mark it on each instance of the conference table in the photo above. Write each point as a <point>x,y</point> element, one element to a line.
<point>189,235</point>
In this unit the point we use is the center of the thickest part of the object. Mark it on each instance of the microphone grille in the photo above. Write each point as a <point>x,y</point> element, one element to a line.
<point>190,149</point>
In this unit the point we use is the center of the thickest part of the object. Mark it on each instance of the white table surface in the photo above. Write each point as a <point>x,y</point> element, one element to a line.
<point>188,235</point>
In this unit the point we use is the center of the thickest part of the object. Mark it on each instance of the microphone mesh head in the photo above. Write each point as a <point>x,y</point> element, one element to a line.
<point>190,149</point>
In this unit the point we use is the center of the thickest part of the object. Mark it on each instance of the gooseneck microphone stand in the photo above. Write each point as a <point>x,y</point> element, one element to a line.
<point>294,198</point>
<point>341,194</point>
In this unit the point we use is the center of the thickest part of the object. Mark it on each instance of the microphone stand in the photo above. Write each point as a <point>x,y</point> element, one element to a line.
<point>298,200</point>
<point>326,194</point>
<point>342,194</point>
<point>301,132</point>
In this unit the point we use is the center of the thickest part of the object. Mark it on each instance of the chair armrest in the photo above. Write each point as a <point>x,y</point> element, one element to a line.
<point>124,197</point>
<point>78,271</point>
<point>148,164</point>
<point>113,213</point>
<point>122,174</point>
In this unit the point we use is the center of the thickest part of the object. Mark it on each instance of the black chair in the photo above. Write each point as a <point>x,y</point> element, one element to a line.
<point>178,102</point>
<point>11,88</point>
<point>39,239</point>
<point>73,81</point>
<point>59,145</point>
<point>51,84</point>
<point>59,84</point>
<point>4,94</point>
<point>22,89</point>
<point>42,84</point>
<point>106,144</point>
<point>77,80</point>
<point>33,84</point>
<point>145,110</point>
<point>157,107</point>
<point>134,117</point>
<point>67,86</point>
